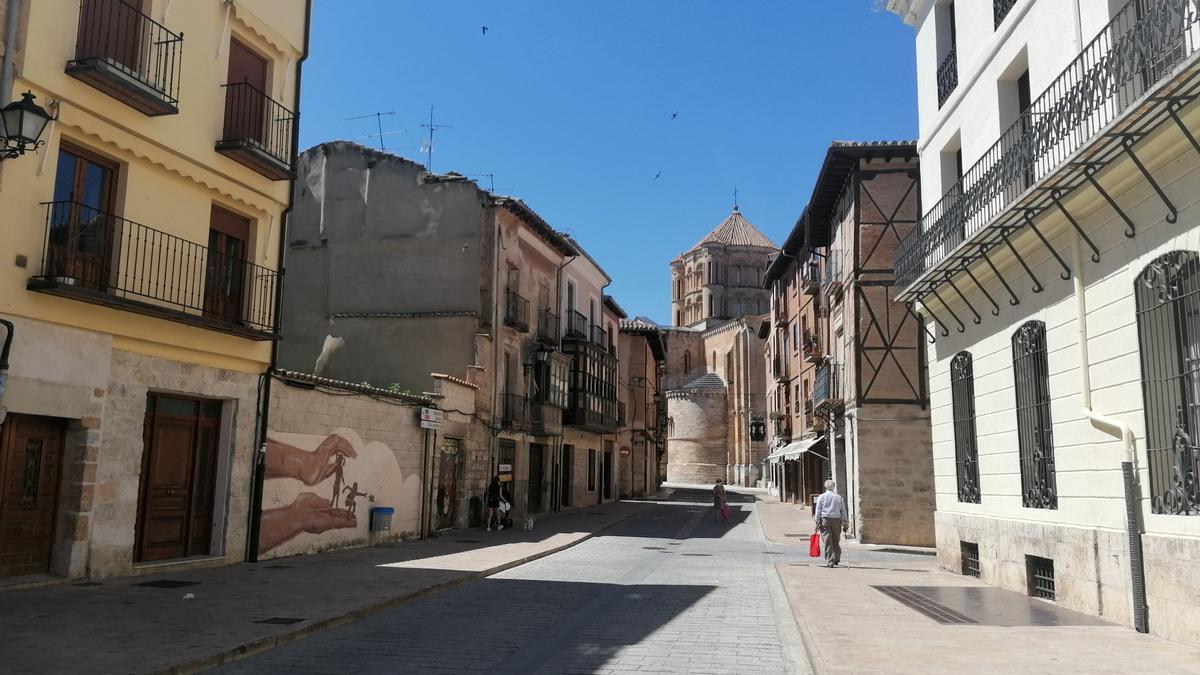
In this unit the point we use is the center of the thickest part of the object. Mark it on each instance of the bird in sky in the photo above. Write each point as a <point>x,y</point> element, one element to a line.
<point>484,30</point>
<point>657,175</point>
<point>674,115</point>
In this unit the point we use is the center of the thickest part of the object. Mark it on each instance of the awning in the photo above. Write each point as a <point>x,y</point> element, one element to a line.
<point>793,450</point>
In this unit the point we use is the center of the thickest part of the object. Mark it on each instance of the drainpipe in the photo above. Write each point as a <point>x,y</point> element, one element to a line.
<point>8,67</point>
<point>1118,429</point>
<point>258,468</point>
<point>556,481</point>
<point>851,421</point>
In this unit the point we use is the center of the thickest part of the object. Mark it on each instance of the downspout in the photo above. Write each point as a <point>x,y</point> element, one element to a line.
<point>8,340</point>
<point>260,456</point>
<point>1118,429</point>
<point>8,69</point>
<point>851,422</point>
<point>556,487</point>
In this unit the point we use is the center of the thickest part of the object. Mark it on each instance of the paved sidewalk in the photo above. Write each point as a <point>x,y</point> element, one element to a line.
<point>122,625</point>
<point>850,625</point>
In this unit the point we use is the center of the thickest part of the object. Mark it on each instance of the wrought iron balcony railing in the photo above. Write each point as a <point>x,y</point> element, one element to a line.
<point>1076,126</point>
<point>577,326</point>
<point>1000,10</point>
<point>811,277</point>
<point>515,412</point>
<point>547,331</point>
<point>832,279</point>
<point>516,311</point>
<point>947,75</point>
<point>258,131</point>
<point>600,337</point>
<point>812,349</point>
<point>127,55</point>
<point>827,390</point>
<point>98,257</point>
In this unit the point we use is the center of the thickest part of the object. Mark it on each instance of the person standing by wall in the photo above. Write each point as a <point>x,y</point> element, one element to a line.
<point>830,518</point>
<point>720,501</point>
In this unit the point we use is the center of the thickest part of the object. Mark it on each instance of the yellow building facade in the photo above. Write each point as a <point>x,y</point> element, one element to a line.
<point>139,264</point>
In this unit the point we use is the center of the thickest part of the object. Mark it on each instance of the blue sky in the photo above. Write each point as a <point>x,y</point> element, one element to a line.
<point>568,104</point>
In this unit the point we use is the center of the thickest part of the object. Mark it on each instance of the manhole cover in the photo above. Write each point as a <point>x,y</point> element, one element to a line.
<point>166,583</point>
<point>282,620</point>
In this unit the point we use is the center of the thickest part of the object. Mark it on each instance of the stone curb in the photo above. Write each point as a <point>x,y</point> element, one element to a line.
<point>810,648</point>
<point>264,644</point>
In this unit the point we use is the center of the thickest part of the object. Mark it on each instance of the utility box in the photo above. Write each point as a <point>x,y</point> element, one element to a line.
<point>381,518</point>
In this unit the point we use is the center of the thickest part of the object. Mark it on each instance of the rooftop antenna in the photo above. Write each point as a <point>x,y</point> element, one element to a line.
<point>735,199</point>
<point>378,123</point>
<point>429,145</point>
<point>491,180</point>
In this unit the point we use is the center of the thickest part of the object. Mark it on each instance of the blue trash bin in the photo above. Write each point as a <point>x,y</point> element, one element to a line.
<point>381,518</point>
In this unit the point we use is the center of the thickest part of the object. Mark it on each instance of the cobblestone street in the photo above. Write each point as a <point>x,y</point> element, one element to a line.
<point>665,591</point>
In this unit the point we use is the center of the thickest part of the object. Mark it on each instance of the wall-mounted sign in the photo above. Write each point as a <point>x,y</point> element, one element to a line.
<point>505,468</point>
<point>431,418</point>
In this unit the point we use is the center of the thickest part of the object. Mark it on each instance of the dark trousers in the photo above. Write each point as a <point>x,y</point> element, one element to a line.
<point>831,540</point>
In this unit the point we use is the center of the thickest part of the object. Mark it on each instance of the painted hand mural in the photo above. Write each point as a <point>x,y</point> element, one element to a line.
<point>310,513</point>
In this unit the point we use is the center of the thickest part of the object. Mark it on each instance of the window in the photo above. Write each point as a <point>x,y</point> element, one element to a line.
<point>1039,573</point>
<point>712,272</point>
<point>1000,10</point>
<point>687,362</point>
<point>966,450</point>
<point>1168,319</point>
<point>1034,426</point>
<point>81,228</point>
<point>591,480</point>
<point>225,264</point>
<point>710,306</point>
<point>947,70</point>
<point>678,318</point>
<point>970,558</point>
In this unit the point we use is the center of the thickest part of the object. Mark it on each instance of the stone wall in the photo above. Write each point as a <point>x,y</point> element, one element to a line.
<point>889,475</point>
<point>696,437</point>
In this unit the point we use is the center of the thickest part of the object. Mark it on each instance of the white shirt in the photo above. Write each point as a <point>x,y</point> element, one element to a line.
<point>830,505</point>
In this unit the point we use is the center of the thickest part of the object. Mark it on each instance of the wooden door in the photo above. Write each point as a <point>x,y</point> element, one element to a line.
<point>81,222</point>
<point>607,476</point>
<point>537,453</point>
<point>30,461</point>
<point>111,30</point>
<point>225,268</point>
<point>245,97</point>
<point>178,478</point>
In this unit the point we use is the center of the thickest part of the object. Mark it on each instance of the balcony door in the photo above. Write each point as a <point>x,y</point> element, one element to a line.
<point>110,30</point>
<point>224,276</point>
<point>245,95</point>
<point>81,225</point>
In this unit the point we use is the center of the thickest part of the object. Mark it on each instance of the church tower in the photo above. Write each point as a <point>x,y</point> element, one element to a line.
<point>720,278</point>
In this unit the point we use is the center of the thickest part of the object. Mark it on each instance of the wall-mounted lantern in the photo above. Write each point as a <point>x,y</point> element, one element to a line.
<point>21,126</point>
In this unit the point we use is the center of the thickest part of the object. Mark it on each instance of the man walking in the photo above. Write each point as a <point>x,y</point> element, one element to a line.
<point>830,517</point>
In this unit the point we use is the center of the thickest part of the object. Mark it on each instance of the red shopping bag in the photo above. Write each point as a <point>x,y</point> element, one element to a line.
<point>814,545</point>
<point>725,512</point>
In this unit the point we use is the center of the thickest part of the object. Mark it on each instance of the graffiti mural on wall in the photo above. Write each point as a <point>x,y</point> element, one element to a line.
<point>315,486</point>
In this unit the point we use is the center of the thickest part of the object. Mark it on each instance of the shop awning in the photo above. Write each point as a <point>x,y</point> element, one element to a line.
<point>793,450</point>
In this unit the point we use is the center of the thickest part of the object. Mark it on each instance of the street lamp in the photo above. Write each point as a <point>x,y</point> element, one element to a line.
<point>21,126</point>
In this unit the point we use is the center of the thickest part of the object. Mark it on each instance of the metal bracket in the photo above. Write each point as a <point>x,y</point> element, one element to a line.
<point>961,326</point>
<point>1071,219</point>
<point>1015,300</point>
<point>1066,273</point>
<point>941,324</point>
<point>1127,143</point>
<point>1037,285</point>
<point>1174,105</point>
<point>1089,172</point>
<point>909,305</point>
<point>947,278</point>
<point>966,268</point>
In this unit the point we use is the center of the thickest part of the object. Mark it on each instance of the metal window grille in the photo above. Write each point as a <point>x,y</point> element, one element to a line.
<point>970,559</point>
<point>1040,573</point>
<point>966,449</point>
<point>947,75</point>
<point>1168,318</point>
<point>1000,10</point>
<point>1034,426</point>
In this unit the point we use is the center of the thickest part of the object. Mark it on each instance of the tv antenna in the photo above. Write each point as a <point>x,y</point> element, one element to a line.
<point>735,198</point>
<point>491,179</point>
<point>378,124</point>
<point>429,144</point>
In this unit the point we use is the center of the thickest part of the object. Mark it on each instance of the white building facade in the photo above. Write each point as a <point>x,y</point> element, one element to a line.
<point>1057,266</point>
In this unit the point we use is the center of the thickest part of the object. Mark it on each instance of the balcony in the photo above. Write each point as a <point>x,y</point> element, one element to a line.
<point>128,55</point>
<point>547,331</point>
<point>781,313</point>
<point>810,278</point>
<point>516,311</point>
<point>1000,10</point>
<point>827,390</point>
<point>577,326</point>
<point>545,419</point>
<point>600,337</point>
<point>258,131</point>
<point>947,75</point>
<point>592,397</point>
<point>779,368</point>
<point>514,413</point>
<point>97,257</point>
<point>832,279</point>
<point>813,351</point>
<point>1130,80</point>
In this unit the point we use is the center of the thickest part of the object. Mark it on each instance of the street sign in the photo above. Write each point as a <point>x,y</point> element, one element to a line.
<point>506,468</point>
<point>431,418</point>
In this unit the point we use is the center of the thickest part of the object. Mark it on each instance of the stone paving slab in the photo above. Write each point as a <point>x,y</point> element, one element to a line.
<point>849,626</point>
<point>120,625</point>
